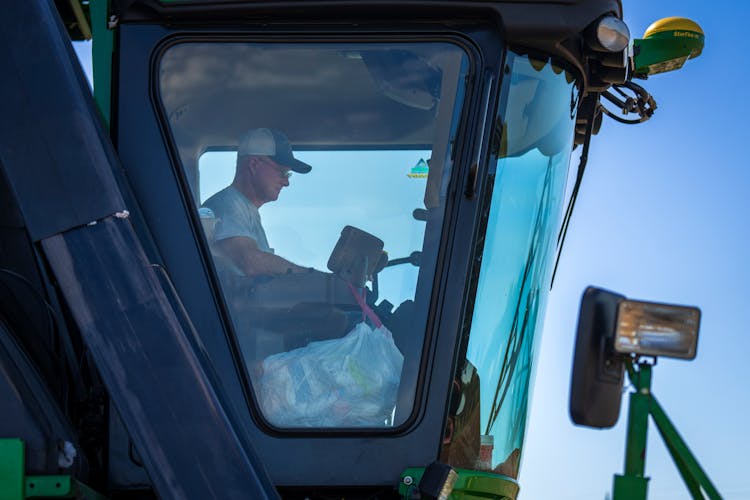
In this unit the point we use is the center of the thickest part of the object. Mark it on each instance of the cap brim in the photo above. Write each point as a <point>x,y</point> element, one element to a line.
<point>297,166</point>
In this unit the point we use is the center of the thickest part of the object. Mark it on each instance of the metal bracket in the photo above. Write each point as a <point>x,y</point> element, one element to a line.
<point>15,485</point>
<point>469,484</point>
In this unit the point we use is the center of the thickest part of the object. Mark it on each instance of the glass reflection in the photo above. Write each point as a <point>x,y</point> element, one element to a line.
<point>491,392</point>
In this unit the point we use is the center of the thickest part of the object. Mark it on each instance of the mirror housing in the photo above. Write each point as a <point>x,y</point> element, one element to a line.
<point>598,372</point>
<point>666,45</point>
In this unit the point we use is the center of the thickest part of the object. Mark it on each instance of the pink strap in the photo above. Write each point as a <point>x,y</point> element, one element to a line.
<point>366,310</point>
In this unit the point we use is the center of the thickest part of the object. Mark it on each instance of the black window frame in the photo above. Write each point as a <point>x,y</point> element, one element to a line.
<point>208,262</point>
<point>170,221</point>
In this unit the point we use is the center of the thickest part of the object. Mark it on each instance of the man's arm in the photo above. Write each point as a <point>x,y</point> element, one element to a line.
<point>252,261</point>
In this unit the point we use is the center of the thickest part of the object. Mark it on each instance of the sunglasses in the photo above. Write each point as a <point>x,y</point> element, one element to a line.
<point>282,171</point>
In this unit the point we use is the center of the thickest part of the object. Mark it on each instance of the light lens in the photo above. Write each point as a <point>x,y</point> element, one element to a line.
<point>612,34</point>
<point>651,329</point>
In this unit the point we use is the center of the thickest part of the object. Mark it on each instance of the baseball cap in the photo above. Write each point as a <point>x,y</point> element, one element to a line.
<point>271,143</point>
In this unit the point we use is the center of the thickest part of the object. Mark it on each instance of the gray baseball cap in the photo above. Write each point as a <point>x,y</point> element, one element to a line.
<point>271,143</point>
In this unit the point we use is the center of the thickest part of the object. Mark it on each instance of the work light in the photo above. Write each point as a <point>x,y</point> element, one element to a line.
<point>612,34</point>
<point>653,329</point>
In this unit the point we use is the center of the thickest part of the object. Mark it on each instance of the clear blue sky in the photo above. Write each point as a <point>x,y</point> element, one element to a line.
<point>661,216</point>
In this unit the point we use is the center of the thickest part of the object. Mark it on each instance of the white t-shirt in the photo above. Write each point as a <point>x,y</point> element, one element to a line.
<point>237,216</point>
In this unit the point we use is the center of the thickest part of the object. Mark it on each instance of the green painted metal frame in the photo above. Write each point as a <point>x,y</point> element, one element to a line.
<point>93,21</point>
<point>102,50</point>
<point>471,484</point>
<point>633,485</point>
<point>15,485</point>
<point>49,486</point>
<point>11,469</point>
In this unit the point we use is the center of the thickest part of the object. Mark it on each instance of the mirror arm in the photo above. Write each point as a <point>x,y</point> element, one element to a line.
<point>633,484</point>
<point>694,476</point>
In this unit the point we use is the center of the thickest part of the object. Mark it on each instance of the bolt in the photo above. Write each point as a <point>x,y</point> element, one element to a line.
<point>408,480</point>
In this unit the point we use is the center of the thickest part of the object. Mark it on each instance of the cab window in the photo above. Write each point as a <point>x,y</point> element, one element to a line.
<point>538,112</point>
<point>320,174</point>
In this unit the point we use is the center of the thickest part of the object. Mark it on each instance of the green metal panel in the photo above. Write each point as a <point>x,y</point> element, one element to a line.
<point>11,469</point>
<point>470,484</point>
<point>15,486</point>
<point>630,487</point>
<point>49,486</point>
<point>101,55</point>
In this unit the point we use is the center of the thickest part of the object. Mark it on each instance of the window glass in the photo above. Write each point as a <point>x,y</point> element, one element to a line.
<point>379,209</point>
<point>486,430</point>
<point>320,172</point>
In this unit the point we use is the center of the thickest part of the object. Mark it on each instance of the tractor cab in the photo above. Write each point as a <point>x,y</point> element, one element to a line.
<point>439,159</point>
<point>401,173</point>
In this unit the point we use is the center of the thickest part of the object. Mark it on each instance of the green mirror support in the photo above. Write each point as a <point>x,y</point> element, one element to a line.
<point>633,484</point>
<point>666,45</point>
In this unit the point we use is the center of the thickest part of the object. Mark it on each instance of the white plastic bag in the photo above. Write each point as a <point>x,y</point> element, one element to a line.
<point>347,382</point>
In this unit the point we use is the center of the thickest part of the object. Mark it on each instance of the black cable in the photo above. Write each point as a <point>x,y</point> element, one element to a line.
<point>642,103</point>
<point>53,321</point>
<point>574,194</point>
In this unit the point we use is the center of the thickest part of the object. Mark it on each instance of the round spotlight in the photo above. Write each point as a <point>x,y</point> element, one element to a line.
<point>612,34</point>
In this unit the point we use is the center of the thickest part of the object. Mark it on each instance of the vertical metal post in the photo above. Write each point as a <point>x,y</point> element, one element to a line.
<point>633,485</point>
<point>635,452</point>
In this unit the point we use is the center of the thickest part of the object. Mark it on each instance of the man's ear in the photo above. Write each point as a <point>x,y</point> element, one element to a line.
<point>255,162</point>
<point>252,163</point>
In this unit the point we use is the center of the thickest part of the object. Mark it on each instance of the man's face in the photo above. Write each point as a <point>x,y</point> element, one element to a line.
<point>269,178</point>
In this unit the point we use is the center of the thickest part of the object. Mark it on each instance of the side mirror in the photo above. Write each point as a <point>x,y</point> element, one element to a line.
<point>612,329</point>
<point>596,384</point>
<point>666,45</point>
